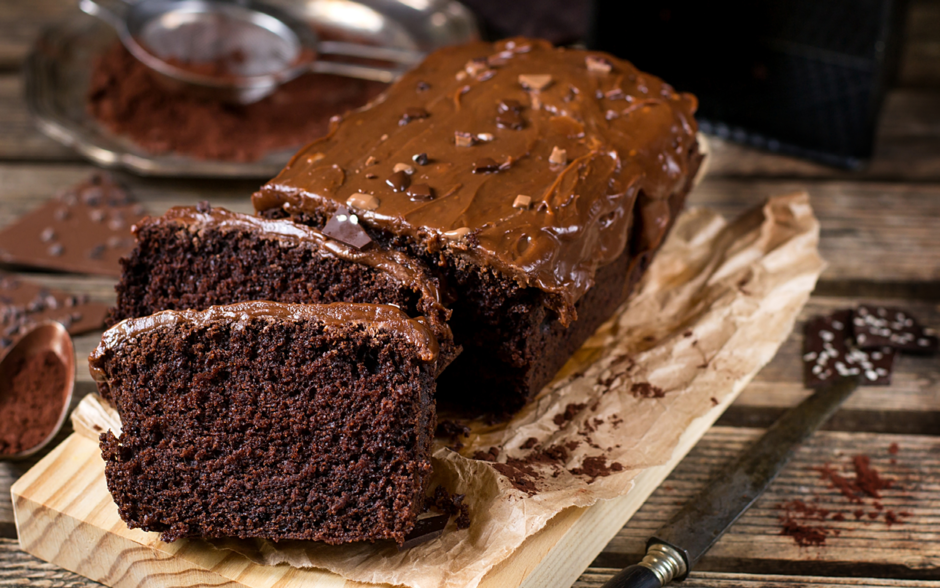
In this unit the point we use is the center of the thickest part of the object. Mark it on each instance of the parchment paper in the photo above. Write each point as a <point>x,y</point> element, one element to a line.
<point>714,307</point>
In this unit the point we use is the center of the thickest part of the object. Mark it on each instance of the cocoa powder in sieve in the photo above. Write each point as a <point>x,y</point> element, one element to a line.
<point>125,97</point>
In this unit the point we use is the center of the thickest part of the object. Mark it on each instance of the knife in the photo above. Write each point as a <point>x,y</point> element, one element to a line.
<point>675,549</point>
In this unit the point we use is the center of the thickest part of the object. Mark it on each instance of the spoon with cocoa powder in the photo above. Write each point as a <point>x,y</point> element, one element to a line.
<point>37,377</point>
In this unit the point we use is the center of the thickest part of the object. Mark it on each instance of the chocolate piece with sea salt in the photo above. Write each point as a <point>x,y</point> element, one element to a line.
<point>829,353</point>
<point>880,326</point>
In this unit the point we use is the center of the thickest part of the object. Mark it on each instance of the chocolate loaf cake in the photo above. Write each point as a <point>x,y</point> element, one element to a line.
<point>194,258</point>
<point>269,420</point>
<point>535,183</point>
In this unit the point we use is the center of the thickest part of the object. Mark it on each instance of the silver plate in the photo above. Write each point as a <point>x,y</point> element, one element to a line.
<point>58,69</point>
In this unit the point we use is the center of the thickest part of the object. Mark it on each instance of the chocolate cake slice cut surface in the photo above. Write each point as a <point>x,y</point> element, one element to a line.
<point>535,182</point>
<point>270,420</point>
<point>197,257</point>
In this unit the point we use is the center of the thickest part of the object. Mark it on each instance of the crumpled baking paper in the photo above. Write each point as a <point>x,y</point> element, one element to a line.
<point>716,304</point>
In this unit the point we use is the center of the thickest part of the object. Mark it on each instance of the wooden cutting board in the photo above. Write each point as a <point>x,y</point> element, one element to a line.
<point>65,516</point>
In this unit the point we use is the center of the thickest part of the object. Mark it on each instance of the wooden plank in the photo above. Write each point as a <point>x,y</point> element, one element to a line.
<point>20,24</point>
<point>869,230</point>
<point>867,548</point>
<point>595,578</point>
<point>18,568</point>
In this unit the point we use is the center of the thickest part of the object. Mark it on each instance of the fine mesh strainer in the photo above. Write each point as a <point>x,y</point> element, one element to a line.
<point>236,51</point>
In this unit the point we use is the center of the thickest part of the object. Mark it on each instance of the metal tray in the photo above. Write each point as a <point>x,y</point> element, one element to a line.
<point>58,69</point>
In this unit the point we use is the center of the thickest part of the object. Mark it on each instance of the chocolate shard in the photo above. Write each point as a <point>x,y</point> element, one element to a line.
<point>344,227</point>
<point>399,181</point>
<point>426,529</point>
<point>420,192</point>
<point>485,165</point>
<point>420,158</point>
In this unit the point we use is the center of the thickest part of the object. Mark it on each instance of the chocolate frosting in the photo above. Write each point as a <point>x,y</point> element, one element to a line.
<point>398,265</point>
<point>375,317</point>
<point>583,134</point>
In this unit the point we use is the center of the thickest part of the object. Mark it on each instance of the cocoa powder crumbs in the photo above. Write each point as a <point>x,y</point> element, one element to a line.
<point>32,403</point>
<point>126,98</point>
<point>802,522</point>
<point>805,522</point>
<point>646,390</point>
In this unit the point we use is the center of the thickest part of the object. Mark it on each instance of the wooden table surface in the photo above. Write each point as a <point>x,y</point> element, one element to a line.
<point>880,236</point>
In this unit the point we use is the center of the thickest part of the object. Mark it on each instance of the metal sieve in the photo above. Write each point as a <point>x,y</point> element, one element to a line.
<point>236,51</point>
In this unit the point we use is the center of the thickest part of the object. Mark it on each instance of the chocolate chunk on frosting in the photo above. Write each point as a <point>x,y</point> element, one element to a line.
<point>581,212</point>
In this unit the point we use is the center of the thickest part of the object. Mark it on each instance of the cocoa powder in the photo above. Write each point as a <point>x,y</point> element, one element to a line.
<point>125,97</point>
<point>31,402</point>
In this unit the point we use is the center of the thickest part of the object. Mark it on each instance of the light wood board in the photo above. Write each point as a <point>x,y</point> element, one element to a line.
<point>64,515</point>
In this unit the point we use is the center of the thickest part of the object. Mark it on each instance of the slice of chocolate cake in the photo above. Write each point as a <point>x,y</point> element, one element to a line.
<point>536,183</point>
<point>269,420</point>
<point>194,258</point>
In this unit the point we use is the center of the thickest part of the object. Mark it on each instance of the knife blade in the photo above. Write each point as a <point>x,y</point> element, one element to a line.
<point>675,549</point>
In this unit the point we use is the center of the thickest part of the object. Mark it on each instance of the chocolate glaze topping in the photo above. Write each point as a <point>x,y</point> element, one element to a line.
<point>626,135</point>
<point>402,267</point>
<point>375,317</point>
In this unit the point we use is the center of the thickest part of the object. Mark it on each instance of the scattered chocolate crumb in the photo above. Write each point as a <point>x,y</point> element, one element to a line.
<point>491,454</point>
<point>838,517</point>
<point>595,467</point>
<point>571,411</point>
<point>714,401</point>
<point>859,513</point>
<point>687,334</point>
<point>893,449</point>
<point>529,443</point>
<point>452,505</point>
<point>646,390</point>
<point>420,158</point>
